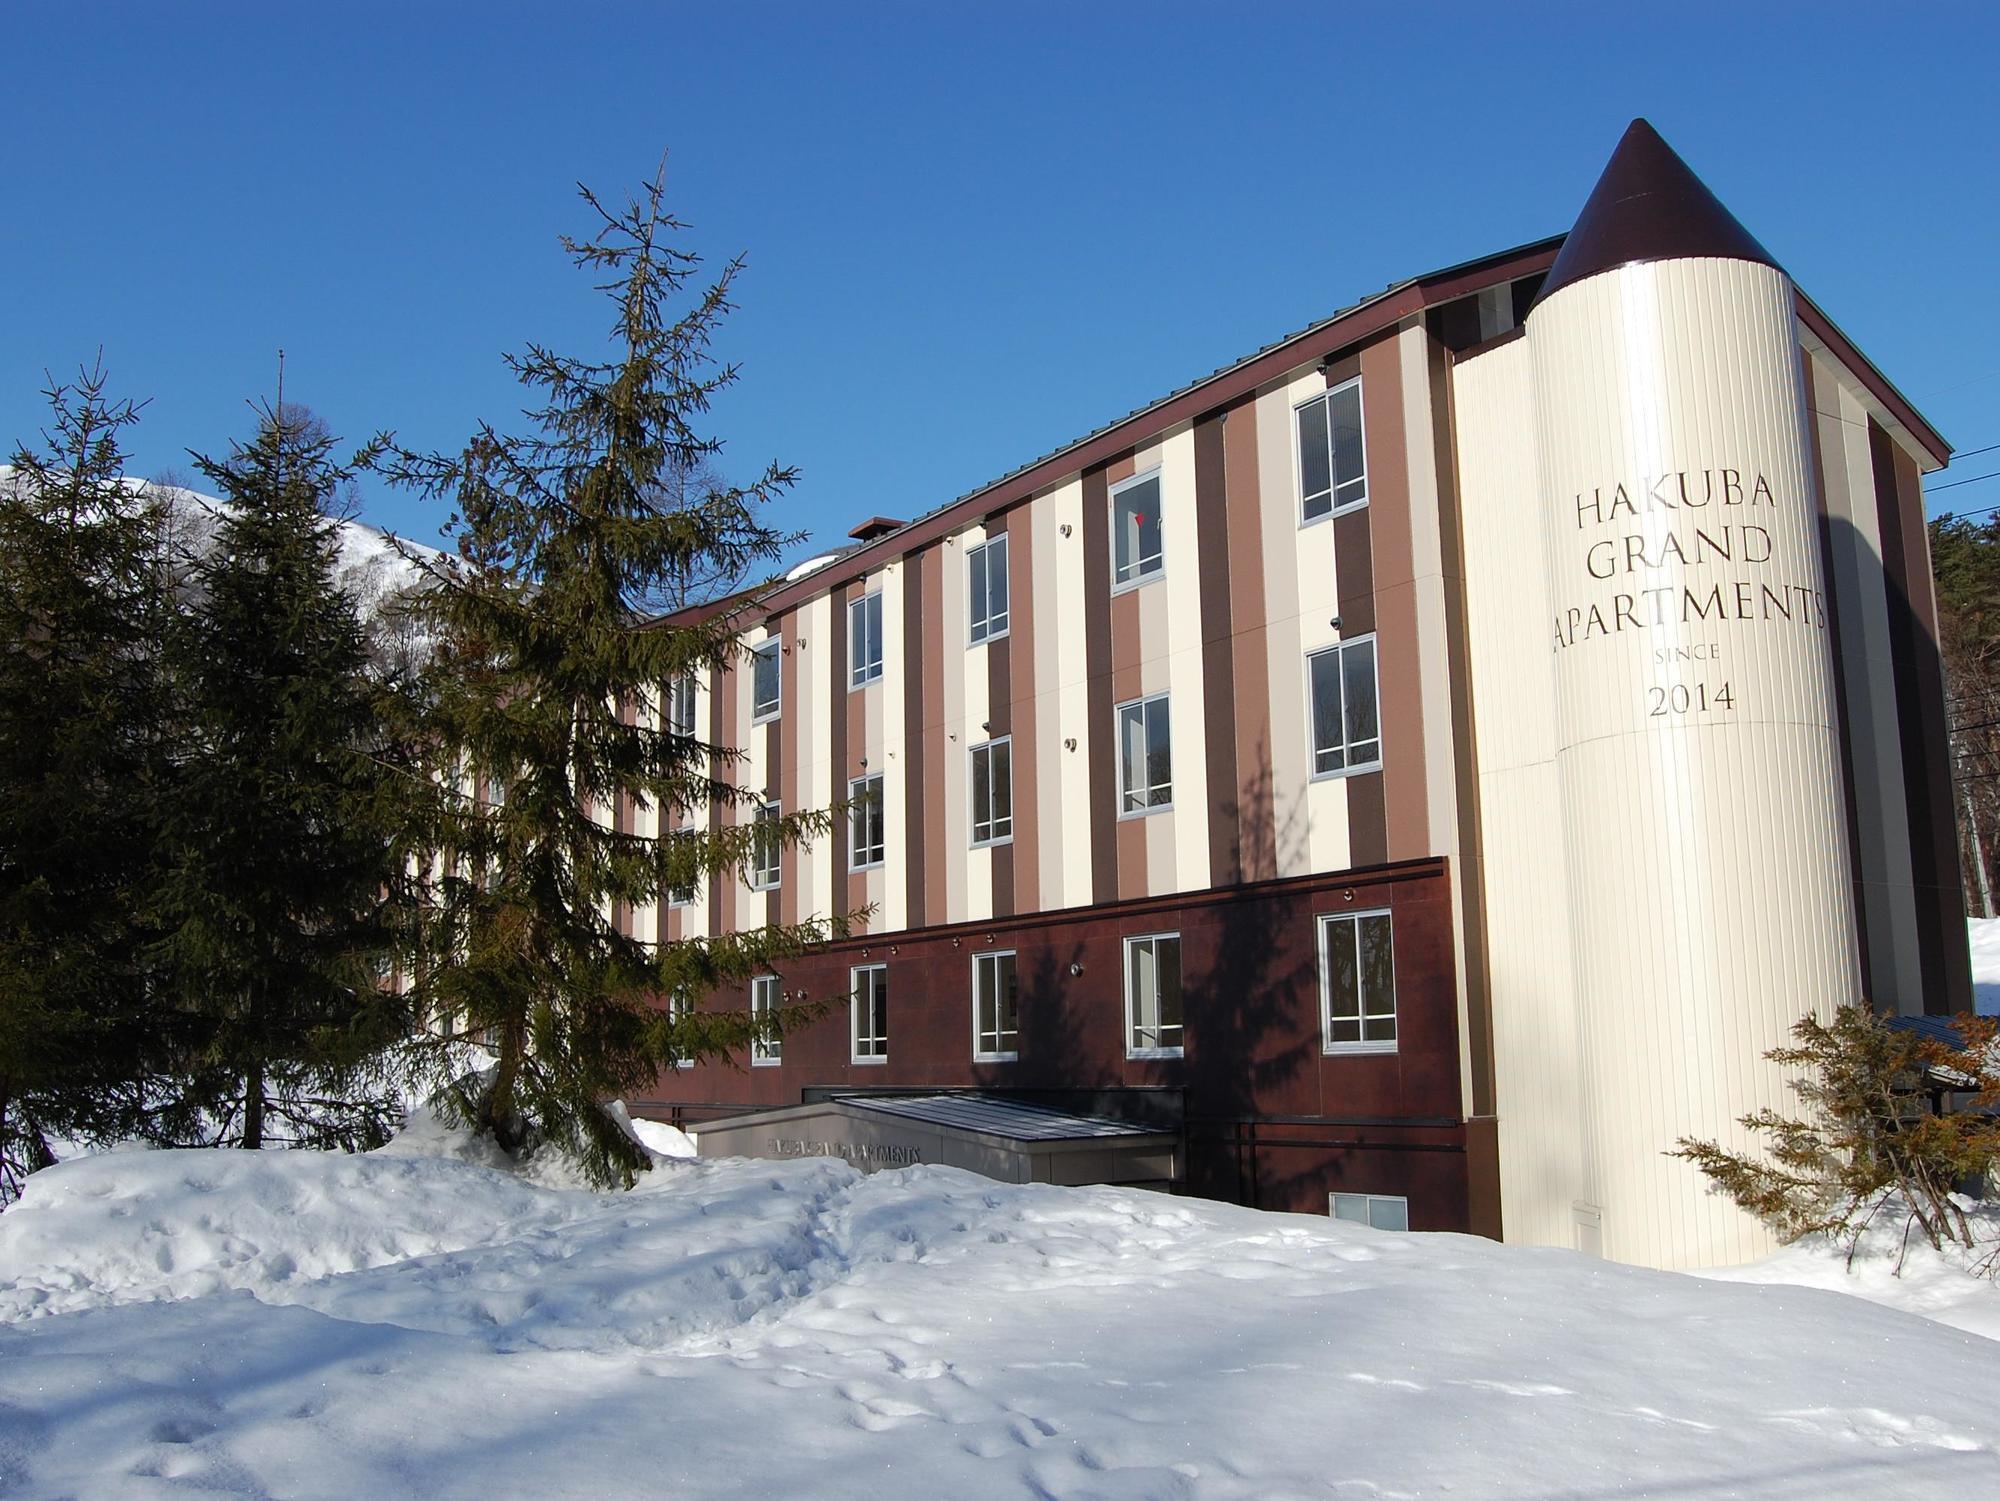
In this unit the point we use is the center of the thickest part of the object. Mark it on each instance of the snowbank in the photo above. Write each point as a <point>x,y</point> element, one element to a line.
<point>1938,1286</point>
<point>1985,964</point>
<point>413,1323</point>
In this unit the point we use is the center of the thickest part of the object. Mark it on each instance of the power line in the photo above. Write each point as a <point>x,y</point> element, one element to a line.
<point>1968,515</point>
<point>1957,482</point>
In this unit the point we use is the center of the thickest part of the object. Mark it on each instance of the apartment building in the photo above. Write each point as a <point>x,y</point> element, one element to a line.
<point>1419,767</point>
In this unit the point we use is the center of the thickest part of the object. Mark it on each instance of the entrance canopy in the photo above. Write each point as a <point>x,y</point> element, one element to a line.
<point>1005,1139</point>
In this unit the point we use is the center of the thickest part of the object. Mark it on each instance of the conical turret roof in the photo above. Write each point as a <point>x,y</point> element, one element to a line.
<point>1649,206</point>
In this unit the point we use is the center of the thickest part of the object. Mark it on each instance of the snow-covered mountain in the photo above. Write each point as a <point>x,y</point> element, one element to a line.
<point>374,569</point>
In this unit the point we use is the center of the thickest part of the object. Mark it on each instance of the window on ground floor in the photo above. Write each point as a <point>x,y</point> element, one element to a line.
<point>869,1006</point>
<point>1153,996</point>
<point>1357,983</point>
<point>996,1027</point>
<point>766,1047</point>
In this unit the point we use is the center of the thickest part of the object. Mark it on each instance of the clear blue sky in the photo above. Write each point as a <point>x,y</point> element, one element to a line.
<point>973,232</point>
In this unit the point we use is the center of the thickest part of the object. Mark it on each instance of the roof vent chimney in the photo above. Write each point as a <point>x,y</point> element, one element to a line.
<point>873,527</point>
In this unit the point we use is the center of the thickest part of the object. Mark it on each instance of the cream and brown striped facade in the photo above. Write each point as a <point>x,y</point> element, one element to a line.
<point>1457,832</point>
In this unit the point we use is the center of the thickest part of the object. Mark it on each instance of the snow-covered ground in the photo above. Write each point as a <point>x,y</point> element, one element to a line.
<point>1985,964</point>
<point>419,1322</point>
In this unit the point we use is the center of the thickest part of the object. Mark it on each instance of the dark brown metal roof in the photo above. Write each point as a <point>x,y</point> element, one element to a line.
<point>1649,206</point>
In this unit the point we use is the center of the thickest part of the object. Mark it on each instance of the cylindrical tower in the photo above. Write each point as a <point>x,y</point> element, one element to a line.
<point>1697,754</point>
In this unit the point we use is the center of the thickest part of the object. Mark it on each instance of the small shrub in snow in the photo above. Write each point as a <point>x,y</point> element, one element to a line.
<point>1874,1138</point>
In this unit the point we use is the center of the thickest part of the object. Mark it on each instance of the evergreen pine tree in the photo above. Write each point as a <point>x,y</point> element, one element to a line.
<point>544,709</point>
<point>278,857</point>
<point>83,601</point>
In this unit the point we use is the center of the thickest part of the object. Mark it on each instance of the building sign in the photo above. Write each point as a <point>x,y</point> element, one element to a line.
<point>863,1154</point>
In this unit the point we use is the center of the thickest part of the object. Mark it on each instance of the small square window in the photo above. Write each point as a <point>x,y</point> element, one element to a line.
<point>1333,469</point>
<point>1357,982</point>
<point>864,640</point>
<point>993,792</point>
<point>766,682</point>
<point>996,1025</point>
<point>986,590</point>
<point>1377,1211</point>
<point>765,848</point>
<point>1136,534</point>
<point>1145,757</point>
<point>1153,996</point>
<point>869,1007</point>
<point>1346,716</point>
<point>865,839</point>
<point>767,1048</point>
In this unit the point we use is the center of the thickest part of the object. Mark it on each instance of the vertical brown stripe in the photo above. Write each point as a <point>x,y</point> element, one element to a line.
<point>914,712</point>
<point>1128,653</point>
<point>1878,988</point>
<point>938,762</point>
<point>1218,662</point>
<point>1103,818</point>
<point>767,906</point>
<point>1940,901</point>
<point>1023,709</point>
<point>1401,785</point>
<point>1353,561</point>
<point>852,715</point>
<point>839,730</point>
<point>1465,763</point>
<point>1126,647</point>
<point>1256,817</point>
<point>999,721</point>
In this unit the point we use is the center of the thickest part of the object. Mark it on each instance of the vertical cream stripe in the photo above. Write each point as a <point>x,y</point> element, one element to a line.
<point>1178,857</point>
<point>1066,881</point>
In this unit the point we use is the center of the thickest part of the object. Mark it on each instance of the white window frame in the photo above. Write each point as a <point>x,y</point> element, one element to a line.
<point>856,811</point>
<point>684,896</point>
<point>993,838</point>
<point>1132,1049</point>
<point>771,649</point>
<point>996,623</point>
<point>681,718</point>
<point>1125,789</point>
<point>875,1039</point>
<point>1322,922</point>
<point>1334,508</point>
<point>680,1006</point>
<point>864,640</point>
<point>1313,748</point>
<point>766,877</point>
<point>998,1053</point>
<point>1367,1203</point>
<point>1141,575</point>
<point>765,1052</point>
